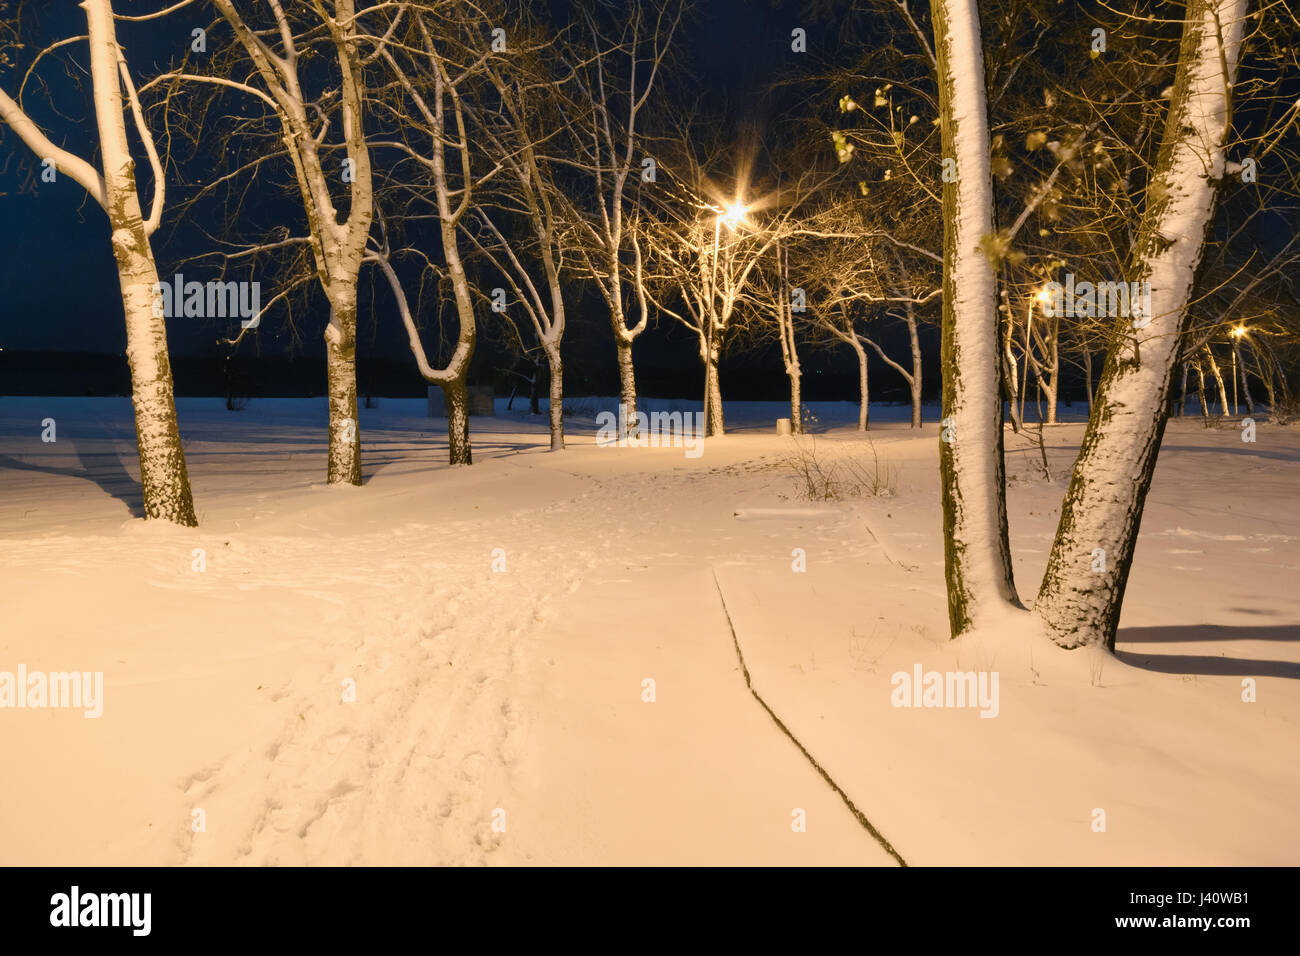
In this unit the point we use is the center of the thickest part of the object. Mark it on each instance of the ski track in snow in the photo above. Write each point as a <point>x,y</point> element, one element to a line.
<point>438,677</point>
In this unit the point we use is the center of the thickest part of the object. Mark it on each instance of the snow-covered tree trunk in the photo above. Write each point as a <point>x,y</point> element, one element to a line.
<point>1200,391</point>
<point>915,383</point>
<point>164,478</point>
<point>795,374</point>
<point>789,349</point>
<point>1218,380</point>
<point>337,247</point>
<point>626,377</point>
<point>557,397</point>
<point>341,379</point>
<point>1103,507</point>
<point>864,394</point>
<point>977,559</point>
<point>1011,375</point>
<point>1087,375</point>
<point>455,393</point>
<point>713,423</point>
<point>1053,377</point>
<point>1240,364</point>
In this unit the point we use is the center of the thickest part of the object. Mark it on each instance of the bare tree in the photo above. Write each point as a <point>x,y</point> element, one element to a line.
<point>1103,507</point>
<point>338,246</point>
<point>615,73</point>
<point>441,54</point>
<point>163,475</point>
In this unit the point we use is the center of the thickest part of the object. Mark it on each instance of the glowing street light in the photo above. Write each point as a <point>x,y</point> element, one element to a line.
<point>1239,331</point>
<point>734,214</point>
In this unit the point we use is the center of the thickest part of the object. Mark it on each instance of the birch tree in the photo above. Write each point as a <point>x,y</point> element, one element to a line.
<point>1108,488</point>
<point>164,478</point>
<point>338,243</point>
<point>977,558</point>
<point>613,80</point>
<point>515,127</point>
<point>440,55</point>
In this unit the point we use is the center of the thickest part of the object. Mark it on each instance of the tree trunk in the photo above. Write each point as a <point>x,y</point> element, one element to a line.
<point>456,395</point>
<point>977,558</point>
<point>627,381</point>
<point>557,398</point>
<point>1266,376</point>
<point>1054,380</point>
<point>1087,376</point>
<point>1200,392</point>
<point>1245,385</point>
<point>341,375</point>
<point>916,382</point>
<point>1103,508</point>
<point>796,402</point>
<point>535,390</point>
<point>1011,378</point>
<point>1182,393</point>
<point>715,423</point>
<point>164,478</point>
<point>864,404</point>
<point>1218,380</point>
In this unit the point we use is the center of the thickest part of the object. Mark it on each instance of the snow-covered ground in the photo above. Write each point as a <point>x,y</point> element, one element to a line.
<point>517,696</point>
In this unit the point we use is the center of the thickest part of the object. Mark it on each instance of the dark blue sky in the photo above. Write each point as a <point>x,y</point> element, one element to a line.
<point>58,283</point>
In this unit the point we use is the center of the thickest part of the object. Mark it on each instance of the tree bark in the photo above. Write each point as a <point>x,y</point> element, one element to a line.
<point>626,379</point>
<point>164,478</point>
<point>1103,507</point>
<point>864,395</point>
<point>1200,392</point>
<point>716,425</point>
<point>916,382</point>
<point>557,398</point>
<point>341,376</point>
<point>1218,380</point>
<point>1241,371</point>
<point>977,559</point>
<point>456,395</point>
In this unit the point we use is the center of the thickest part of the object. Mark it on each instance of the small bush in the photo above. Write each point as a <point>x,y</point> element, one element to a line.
<point>850,476</point>
<point>1286,411</point>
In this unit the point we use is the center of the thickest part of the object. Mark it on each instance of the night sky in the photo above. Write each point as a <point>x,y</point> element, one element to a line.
<point>60,284</point>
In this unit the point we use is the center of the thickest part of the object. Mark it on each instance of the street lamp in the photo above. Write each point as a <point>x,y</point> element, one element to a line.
<point>734,214</point>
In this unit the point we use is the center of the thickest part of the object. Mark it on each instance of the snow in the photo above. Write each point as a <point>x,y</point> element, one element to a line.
<point>522,690</point>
